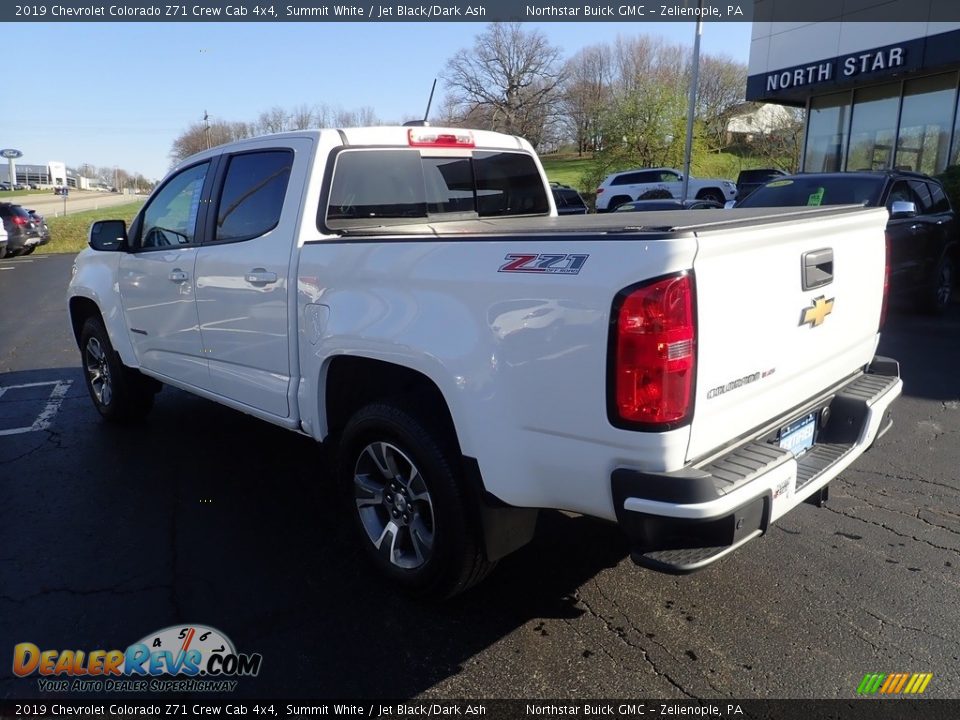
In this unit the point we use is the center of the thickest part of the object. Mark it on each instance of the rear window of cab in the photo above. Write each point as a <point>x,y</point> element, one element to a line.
<point>371,186</point>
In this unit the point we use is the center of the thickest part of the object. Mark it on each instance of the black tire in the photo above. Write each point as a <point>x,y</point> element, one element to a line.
<point>617,202</point>
<point>396,468</point>
<point>714,195</point>
<point>119,393</point>
<point>28,250</point>
<point>936,299</point>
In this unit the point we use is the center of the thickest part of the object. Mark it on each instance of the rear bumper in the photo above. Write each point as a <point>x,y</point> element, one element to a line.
<point>685,520</point>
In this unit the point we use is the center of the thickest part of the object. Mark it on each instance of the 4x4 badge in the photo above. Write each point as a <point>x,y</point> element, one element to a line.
<point>814,316</point>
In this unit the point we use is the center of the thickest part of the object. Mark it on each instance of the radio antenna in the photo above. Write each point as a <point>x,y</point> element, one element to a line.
<point>426,114</point>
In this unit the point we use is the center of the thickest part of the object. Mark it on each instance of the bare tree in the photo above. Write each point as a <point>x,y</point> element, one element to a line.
<point>301,118</point>
<point>720,91</point>
<point>272,121</point>
<point>586,92</point>
<point>510,78</point>
<point>201,136</point>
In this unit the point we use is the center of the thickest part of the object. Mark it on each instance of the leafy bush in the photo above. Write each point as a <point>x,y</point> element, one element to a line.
<point>951,183</point>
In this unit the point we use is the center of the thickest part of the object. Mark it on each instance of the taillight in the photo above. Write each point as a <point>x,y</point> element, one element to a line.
<point>17,220</point>
<point>886,285</point>
<point>435,137</point>
<point>653,354</point>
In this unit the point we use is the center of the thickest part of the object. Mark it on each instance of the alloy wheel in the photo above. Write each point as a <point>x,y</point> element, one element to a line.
<point>394,505</point>
<point>98,371</point>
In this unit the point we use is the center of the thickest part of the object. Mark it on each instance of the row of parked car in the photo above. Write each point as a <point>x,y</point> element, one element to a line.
<point>18,186</point>
<point>22,231</point>
<point>923,233</point>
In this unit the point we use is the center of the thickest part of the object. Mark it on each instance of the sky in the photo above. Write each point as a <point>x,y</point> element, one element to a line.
<point>111,94</point>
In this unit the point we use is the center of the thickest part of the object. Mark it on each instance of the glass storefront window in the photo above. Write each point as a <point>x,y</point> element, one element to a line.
<point>873,128</point>
<point>826,133</point>
<point>926,121</point>
<point>955,157</point>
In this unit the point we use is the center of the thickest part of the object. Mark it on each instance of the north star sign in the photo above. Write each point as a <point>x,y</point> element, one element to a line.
<point>841,68</point>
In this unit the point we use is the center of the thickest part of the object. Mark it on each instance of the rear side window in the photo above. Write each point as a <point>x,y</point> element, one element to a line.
<point>398,184</point>
<point>940,202</point>
<point>568,198</point>
<point>252,197</point>
<point>922,192</point>
<point>508,184</point>
<point>634,178</point>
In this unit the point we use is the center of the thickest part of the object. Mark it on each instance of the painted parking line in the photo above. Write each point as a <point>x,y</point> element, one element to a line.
<point>45,418</point>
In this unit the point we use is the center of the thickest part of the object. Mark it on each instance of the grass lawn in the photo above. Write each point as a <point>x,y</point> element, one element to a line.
<point>68,234</point>
<point>567,169</point>
<point>9,195</point>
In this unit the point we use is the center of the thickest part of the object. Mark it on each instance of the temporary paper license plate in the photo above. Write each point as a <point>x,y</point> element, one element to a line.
<point>797,437</point>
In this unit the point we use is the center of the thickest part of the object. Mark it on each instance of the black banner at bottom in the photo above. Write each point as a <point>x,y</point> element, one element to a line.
<point>853,709</point>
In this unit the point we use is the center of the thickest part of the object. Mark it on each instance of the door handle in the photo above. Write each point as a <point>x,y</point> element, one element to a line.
<point>178,276</point>
<point>259,276</point>
<point>817,268</point>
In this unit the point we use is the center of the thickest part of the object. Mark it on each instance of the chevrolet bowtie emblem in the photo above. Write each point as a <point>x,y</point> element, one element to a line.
<point>814,316</point>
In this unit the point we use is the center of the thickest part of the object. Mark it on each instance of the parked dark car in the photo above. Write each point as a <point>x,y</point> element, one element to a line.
<point>41,224</point>
<point>568,200</point>
<point>750,180</point>
<point>923,233</point>
<point>668,204</point>
<point>21,230</point>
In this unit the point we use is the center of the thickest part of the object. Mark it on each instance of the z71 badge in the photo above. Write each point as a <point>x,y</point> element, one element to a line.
<point>543,263</point>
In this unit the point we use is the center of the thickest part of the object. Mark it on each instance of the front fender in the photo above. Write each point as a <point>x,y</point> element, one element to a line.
<point>95,279</point>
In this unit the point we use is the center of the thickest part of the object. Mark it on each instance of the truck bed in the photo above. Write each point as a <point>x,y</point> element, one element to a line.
<point>669,222</point>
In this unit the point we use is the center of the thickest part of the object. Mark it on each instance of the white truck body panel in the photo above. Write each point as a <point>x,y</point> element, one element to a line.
<point>521,360</point>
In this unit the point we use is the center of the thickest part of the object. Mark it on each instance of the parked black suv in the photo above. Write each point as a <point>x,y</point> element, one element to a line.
<point>567,200</point>
<point>750,180</point>
<point>923,233</point>
<point>21,229</point>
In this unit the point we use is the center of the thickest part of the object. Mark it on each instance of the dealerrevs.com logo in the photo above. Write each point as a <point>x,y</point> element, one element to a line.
<point>180,658</point>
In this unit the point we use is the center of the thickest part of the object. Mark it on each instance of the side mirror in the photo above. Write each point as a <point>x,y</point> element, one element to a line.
<point>903,209</point>
<point>108,235</point>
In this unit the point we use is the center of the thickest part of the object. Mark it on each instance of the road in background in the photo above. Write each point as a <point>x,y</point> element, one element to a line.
<point>204,515</point>
<point>50,205</point>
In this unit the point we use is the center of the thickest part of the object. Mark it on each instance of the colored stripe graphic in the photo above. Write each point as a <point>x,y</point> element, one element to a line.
<point>894,683</point>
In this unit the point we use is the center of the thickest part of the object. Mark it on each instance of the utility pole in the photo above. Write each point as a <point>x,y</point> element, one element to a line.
<point>692,104</point>
<point>206,130</point>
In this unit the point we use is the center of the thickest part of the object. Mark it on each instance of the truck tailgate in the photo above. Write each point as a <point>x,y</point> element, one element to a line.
<point>784,312</point>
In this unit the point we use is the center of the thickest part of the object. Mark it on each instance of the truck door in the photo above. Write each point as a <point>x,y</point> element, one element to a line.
<point>242,271</point>
<point>157,283</point>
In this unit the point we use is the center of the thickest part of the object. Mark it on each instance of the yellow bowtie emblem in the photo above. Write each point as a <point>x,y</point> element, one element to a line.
<point>815,315</point>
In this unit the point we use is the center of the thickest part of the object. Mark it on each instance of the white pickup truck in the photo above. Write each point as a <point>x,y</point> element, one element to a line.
<point>407,296</point>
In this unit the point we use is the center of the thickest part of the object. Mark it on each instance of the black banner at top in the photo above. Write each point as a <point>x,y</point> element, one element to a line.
<point>643,12</point>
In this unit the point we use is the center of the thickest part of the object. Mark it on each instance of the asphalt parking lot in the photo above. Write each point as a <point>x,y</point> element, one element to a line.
<point>203,515</point>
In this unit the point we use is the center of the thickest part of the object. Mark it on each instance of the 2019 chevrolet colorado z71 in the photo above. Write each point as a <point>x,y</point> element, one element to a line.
<point>409,297</point>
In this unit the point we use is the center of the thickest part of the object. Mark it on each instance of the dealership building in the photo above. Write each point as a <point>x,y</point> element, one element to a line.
<point>878,94</point>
